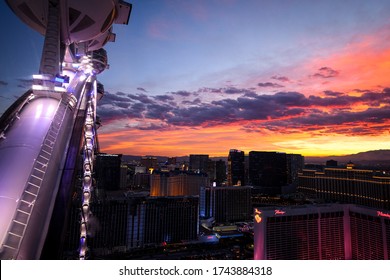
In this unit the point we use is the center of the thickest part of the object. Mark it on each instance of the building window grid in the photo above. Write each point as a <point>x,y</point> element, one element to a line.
<point>387,232</point>
<point>293,238</point>
<point>366,237</point>
<point>347,186</point>
<point>332,237</point>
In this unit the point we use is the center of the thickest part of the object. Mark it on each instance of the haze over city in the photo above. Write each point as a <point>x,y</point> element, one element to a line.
<point>308,77</point>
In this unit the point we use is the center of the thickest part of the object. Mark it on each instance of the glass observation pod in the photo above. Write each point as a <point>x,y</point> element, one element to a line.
<point>84,23</point>
<point>99,60</point>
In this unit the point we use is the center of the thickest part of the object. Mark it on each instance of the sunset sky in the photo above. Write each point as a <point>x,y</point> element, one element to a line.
<point>203,77</point>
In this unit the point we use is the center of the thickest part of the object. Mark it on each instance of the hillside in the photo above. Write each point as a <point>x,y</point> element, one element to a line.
<point>364,158</point>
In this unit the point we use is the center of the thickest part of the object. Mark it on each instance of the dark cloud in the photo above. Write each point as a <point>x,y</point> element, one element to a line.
<point>333,93</point>
<point>284,111</point>
<point>227,90</point>
<point>210,90</point>
<point>196,101</point>
<point>172,103</point>
<point>342,100</point>
<point>290,99</point>
<point>156,111</point>
<point>119,96</point>
<point>109,113</point>
<point>122,104</point>
<point>361,90</point>
<point>113,99</point>
<point>342,122</point>
<point>289,111</point>
<point>3,83</point>
<point>182,93</point>
<point>268,84</point>
<point>141,89</point>
<point>251,95</point>
<point>371,98</point>
<point>235,90</point>
<point>164,98</point>
<point>141,98</point>
<point>326,72</point>
<point>281,78</point>
<point>160,127</point>
<point>201,115</point>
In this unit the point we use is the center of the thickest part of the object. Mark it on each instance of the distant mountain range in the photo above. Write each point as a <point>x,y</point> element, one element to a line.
<point>363,158</point>
<point>130,158</point>
<point>369,158</point>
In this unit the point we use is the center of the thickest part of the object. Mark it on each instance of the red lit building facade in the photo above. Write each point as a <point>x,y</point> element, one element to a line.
<point>316,232</point>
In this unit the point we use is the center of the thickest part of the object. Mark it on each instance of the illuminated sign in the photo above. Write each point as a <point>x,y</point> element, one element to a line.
<point>381,214</point>
<point>257,216</point>
<point>279,212</point>
<point>258,219</point>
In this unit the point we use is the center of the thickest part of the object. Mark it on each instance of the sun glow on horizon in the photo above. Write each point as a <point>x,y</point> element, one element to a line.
<point>183,142</point>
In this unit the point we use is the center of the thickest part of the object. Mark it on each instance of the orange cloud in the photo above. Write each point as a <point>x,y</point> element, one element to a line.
<point>217,141</point>
<point>343,110</point>
<point>364,64</point>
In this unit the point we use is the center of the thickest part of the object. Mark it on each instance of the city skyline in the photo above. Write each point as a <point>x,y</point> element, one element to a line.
<point>208,76</point>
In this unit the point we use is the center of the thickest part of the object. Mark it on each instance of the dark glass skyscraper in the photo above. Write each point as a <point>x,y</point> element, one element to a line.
<point>199,163</point>
<point>295,165</point>
<point>236,168</point>
<point>108,171</point>
<point>226,204</point>
<point>268,171</point>
<point>220,170</point>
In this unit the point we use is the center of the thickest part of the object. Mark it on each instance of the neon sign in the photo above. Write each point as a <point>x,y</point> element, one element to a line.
<point>258,218</point>
<point>381,214</point>
<point>279,212</point>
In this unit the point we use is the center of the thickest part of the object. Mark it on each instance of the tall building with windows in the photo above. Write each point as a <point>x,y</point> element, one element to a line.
<point>170,219</point>
<point>315,232</point>
<point>363,187</point>
<point>212,171</point>
<point>124,180</point>
<point>295,165</point>
<point>150,163</point>
<point>236,168</point>
<point>122,223</point>
<point>199,163</point>
<point>226,204</point>
<point>177,183</point>
<point>268,171</point>
<point>220,172</point>
<point>108,171</point>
